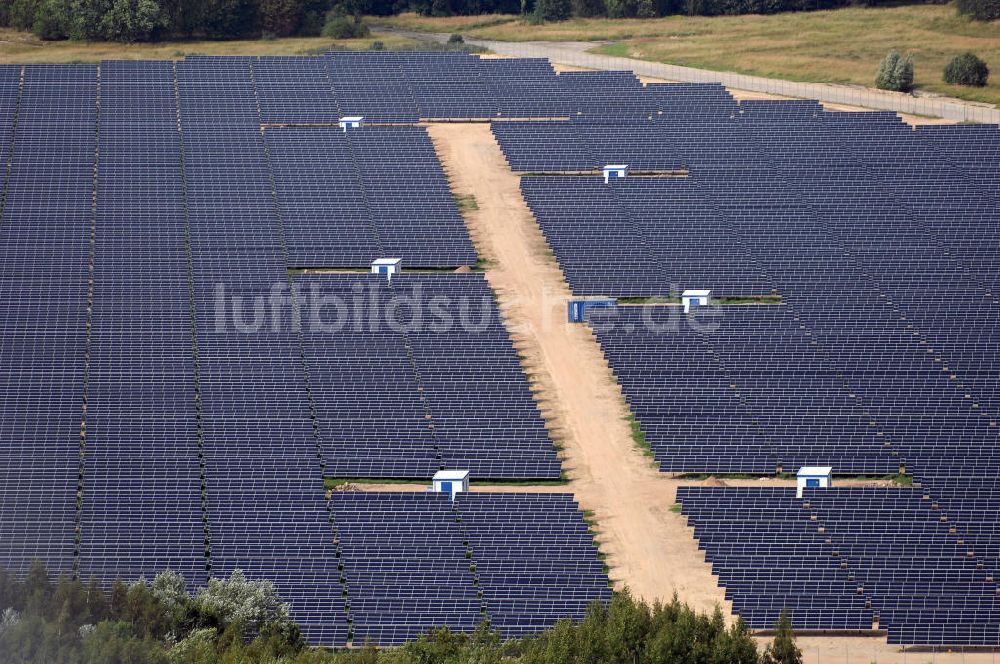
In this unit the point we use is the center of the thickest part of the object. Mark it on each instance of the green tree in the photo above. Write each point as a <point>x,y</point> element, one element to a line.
<point>553,10</point>
<point>250,604</point>
<point>646,9</point>
<point>228,19</point>
<point>628,624</point>
<point>37,590</point>
<point>783,649</point>
<point>69,605</point>
<point>622,8</point>
<point>22,14</point>
<point>133,20</point>
<point>87,18</point>
<point>280,18</point>
<point>115,642</point>
<point>118,600</point>
<point>97,602</point>
<point>589,8</point>
<point>895,72</point>
<point>735,646</point>
<point>967,69</point>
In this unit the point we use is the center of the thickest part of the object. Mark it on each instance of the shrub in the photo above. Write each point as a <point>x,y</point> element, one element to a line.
<point>967,69</point>
<point>980,10</point>
<point>341,26</point>
<point>377,46</point>
<point>456,39</point>
<point>895,73</point>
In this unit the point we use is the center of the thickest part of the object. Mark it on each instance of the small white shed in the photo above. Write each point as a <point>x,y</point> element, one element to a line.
<point>351,122</point>
<point>693,299</point>
<point>813,477</point>
<point>451,482</point>
<point>387,266</point>
<point>616,171</point>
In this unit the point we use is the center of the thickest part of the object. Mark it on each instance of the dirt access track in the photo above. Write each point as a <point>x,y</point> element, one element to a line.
<point>649,548</point>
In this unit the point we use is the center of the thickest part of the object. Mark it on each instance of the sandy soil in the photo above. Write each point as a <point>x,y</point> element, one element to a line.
<point>649,548</point>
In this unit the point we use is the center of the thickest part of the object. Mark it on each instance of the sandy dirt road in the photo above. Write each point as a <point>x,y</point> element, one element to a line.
<point>647,546</point>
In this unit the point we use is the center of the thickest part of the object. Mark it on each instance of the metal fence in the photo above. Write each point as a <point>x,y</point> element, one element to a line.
<point>837,94</point>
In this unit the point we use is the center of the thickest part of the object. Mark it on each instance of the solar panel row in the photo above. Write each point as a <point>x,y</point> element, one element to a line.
<point>413,561</point>
<point>846,559</point>
<point>45,253</point>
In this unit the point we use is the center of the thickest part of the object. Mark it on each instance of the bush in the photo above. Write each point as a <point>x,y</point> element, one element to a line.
<point>340,26</point>
<point>895,73</point>
<point>456,39</point>
<point>981,10</point>
<point>967,69</point>
<point>377,46</point>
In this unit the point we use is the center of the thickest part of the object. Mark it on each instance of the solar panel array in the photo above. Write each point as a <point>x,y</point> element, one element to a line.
<point>524,88</point>
<point>413,561</point>
<point>556,573</point>
<point>295,91</point>
<point>147,211</point>
<point>868,283</point>
<point>744,392</point>
<point>448,388</point>
<point>879,358</point>
<point>642,237</point>
<point>372,85</point>
<point>348,198</point>
<point>657,127</point>
<point>405,564</point>
<point>848,559</point>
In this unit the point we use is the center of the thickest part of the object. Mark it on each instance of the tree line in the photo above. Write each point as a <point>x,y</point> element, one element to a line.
<point>156,20</point>
<point>235,620</point>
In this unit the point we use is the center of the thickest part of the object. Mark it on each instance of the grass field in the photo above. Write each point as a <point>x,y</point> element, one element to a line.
<point>24,48</point>
<point>839,46</point>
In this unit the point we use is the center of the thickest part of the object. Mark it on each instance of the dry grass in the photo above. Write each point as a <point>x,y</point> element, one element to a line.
<point>463,24</point>
<point>24,48</point>
<point>839,46</point>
